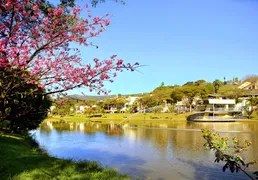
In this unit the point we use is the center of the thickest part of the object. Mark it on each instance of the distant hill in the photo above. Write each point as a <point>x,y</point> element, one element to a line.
<point>98,98</point>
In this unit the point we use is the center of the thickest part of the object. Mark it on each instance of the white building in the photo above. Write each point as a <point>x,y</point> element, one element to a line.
<point>131,100</point>
<point>81,109</point>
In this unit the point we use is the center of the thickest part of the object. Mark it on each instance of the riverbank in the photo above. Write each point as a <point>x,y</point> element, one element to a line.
<point>121,118</point>
<point>22,159</point>
<point>132,119</point>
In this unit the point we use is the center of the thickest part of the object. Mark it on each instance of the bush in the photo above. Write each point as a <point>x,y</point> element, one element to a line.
<point>24,106</point>
<point>229,152</point>
<point>154,117</point>
<point>157,109</point>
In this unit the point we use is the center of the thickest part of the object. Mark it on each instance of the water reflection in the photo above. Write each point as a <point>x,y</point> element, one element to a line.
<point>148,152</point>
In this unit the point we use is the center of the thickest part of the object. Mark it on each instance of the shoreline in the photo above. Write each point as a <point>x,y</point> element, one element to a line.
<point>22,158</point>
<point>132,119</point>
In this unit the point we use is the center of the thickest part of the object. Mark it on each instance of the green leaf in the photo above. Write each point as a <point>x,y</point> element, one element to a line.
<point>16,101</point>
<point>8,110</point>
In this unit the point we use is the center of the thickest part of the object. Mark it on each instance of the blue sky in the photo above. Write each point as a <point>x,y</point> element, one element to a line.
<point>178,41</point>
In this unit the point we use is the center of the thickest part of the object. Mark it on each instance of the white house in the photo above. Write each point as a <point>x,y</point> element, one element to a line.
<point>80,109</point>
<point>131,100</point>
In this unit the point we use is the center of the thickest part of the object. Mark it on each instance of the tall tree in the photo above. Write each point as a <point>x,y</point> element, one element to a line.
<point>190,92</point>
<point>163,93</point>
<point>217,84</point>
<point>207,88</point>
<point>147,101</point>
<point>36,39</point>
<point>251,78</point>
<point>199,82</point>
<point>23,107</point>
<point>177,94</point>
<point>231,91</point>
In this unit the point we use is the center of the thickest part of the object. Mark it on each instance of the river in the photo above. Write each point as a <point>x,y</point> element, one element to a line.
<point>166,151</point>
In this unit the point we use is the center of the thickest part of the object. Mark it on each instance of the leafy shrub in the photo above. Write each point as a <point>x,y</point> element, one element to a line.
<point>154,117</point>
<point>157,109</point>
<point>24,106</point>
<point>231,154</point>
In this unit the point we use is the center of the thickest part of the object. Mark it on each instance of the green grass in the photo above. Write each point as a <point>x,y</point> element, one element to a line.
<point>133,119</point>
<point>21,161</point>
<point>255,115</point>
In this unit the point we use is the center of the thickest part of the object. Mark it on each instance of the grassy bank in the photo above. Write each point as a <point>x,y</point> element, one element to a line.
<point>21,161</point>
<point>134,119</point>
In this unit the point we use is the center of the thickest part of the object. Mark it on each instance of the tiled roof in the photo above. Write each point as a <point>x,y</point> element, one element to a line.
<point>244,85</point>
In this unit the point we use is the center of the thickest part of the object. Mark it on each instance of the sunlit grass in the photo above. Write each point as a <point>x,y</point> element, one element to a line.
<point>162,117</point>
<point>132,119</point>
<point>19,161</point>
<point>255,115</point>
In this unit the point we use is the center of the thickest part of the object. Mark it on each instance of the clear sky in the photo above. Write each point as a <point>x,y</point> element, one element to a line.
<point>178,41</point>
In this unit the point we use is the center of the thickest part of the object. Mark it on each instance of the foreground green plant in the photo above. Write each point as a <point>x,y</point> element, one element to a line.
<point>230,153</point>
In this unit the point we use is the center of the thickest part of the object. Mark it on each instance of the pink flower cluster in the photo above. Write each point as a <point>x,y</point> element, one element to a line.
<point>38,41</point>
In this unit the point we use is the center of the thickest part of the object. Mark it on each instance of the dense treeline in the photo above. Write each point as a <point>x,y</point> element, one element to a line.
<point>164,96</point>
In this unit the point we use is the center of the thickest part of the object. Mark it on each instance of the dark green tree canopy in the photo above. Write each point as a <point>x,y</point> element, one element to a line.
<point>22,107</point>
<point>231,91</point>
<point>217,84</point>
<point>177,94</point>
<point>147,101</point>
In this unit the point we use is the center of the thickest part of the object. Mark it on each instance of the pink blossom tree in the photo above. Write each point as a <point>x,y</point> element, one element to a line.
<point>35,44</point>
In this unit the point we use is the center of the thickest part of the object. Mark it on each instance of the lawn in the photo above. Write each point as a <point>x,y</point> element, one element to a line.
<point>21,161</point>
<point>255,115</point>
<point>118,118</point>
<point>132,118</point>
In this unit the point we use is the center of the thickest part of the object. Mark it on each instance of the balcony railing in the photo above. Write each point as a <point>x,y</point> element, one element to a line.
<point>213,117</point>
<point>223,109</point>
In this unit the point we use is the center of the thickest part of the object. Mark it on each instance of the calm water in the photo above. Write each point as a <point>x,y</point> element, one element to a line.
<point>167,151</point>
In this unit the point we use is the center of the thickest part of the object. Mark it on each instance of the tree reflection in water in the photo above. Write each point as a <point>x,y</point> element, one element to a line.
<point>156,151</point>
